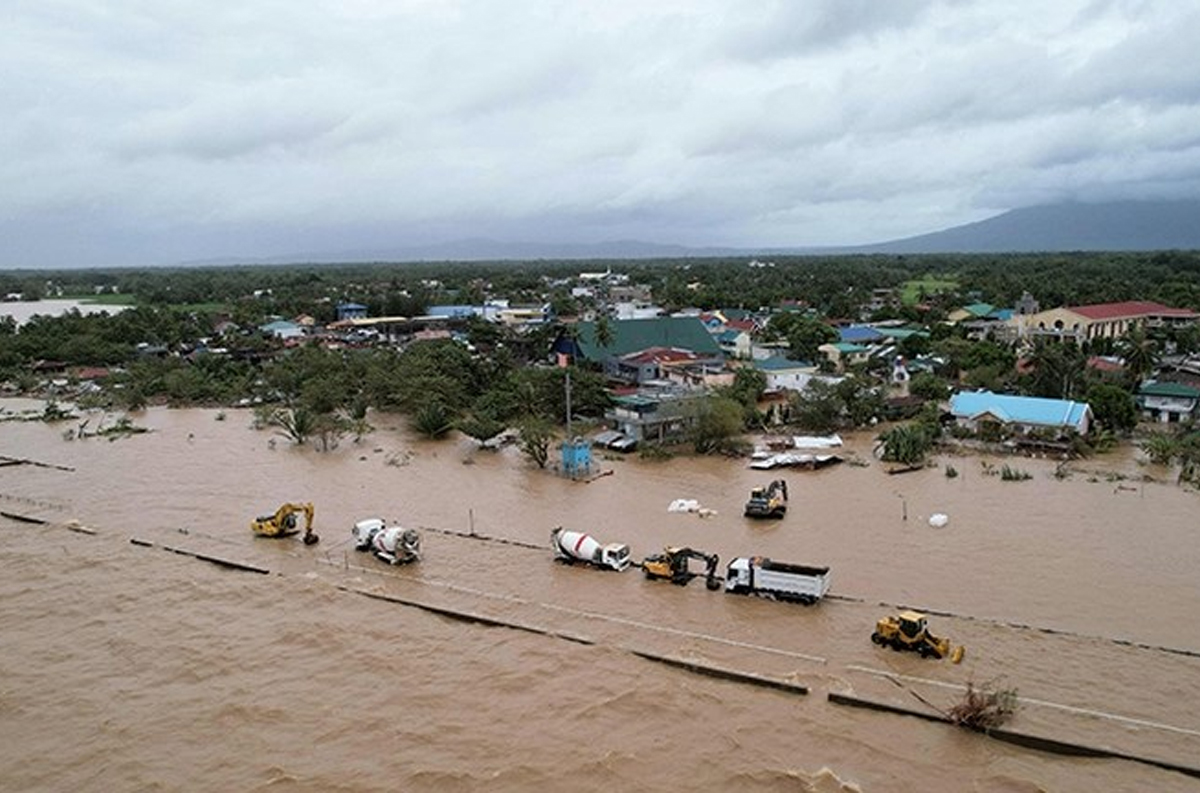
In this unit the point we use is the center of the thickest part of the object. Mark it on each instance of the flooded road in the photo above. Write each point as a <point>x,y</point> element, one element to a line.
<point>127,666</point>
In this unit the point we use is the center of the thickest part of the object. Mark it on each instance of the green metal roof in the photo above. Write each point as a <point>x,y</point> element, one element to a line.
<point>634,335</point>
<point>1169,390</point>
<point>846,347</point>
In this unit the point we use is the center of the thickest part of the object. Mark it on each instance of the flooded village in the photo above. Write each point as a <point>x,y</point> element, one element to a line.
<point>158,640</point>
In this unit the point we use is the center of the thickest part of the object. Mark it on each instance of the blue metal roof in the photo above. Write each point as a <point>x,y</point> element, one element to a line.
<point>453,312</point>
<point>859,333</point>
<point>777,364</point>
<point>1020,410</point>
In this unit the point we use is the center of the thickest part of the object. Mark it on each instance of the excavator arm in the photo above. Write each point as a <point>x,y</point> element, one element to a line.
<point>283,522</point>
<point>672,564</point>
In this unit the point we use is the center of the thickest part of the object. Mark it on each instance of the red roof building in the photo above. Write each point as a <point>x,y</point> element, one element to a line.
<point>1099,321</point>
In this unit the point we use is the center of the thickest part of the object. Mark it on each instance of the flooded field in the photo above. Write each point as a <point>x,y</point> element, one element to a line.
<point>127,666</point>
<point>22,312</point>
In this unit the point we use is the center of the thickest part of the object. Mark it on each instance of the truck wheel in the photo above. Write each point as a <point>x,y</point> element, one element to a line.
<point>875,637</point>
<point>896,645</point>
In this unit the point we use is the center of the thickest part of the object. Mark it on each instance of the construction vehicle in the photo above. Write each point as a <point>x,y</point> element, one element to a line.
<point>575,546</point>
<point>757,575</point>
<point>908,631</point>
<point>673,565</point>
<point>283,523</point>
<point>768,502</point>
<point>394,544</point>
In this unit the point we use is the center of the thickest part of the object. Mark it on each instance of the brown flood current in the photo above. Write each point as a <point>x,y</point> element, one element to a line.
<point>127,667</point>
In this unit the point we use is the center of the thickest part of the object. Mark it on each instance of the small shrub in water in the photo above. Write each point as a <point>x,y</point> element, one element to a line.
<point>1009,474</point>
<point>985,707</point>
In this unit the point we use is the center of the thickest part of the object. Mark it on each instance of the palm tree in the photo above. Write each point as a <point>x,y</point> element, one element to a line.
<point>604,332</point>
<point>1139,351</point>
<point>1059,370</point>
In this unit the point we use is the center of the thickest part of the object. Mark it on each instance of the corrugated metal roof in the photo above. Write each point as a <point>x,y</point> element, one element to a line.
<point>1155,388</point>
<point>779,364</point>
<point>633,335</point>
<point>857,333</point>
<point>1129,308</point>
<point>1019,409</point>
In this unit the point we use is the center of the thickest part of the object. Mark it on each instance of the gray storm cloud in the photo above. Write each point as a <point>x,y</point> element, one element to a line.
<point>142,132</point>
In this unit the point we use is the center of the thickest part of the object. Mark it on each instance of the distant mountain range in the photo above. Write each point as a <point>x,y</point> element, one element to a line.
<point>1113,226</point>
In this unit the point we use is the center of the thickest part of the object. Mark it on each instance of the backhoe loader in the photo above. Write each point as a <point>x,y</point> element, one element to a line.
<point>283,523</point>
<point>672,565</point>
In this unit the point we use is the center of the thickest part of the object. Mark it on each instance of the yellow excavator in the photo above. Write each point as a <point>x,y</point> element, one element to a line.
<point>283,523</point>
<point>672,565</point>
<point>908,631</point>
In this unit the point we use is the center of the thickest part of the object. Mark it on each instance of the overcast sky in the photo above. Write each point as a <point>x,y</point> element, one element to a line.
<point>138,132</point>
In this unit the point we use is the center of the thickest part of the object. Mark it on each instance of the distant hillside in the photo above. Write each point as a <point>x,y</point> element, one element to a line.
<point>478,249</point>
<point>1116,226</point>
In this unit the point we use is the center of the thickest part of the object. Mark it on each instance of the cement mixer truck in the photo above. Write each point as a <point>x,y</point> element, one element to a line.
<point>575,546</point>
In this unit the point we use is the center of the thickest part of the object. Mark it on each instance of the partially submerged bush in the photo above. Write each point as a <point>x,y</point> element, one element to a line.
<point>984,707</point>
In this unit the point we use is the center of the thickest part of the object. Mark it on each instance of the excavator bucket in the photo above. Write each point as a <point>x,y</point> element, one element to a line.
<point>957,655</point>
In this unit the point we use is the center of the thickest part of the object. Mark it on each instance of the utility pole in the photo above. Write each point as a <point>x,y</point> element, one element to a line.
<point>568,403</point>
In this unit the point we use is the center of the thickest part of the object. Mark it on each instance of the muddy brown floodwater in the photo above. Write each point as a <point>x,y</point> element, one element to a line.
<point>128,667</point>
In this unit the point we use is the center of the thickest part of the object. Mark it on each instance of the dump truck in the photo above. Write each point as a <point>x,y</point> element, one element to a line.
<point>576,546</point>
<point>908,631</point>
<point>757,575</point>
<point>767,502</point>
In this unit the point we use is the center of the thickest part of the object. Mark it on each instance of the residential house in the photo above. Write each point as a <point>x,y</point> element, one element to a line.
<point>860,334</point>
<point>992,414</point>
<point>881,299</point>
<point>636,310</point>
<point>226,327</point>
<point>784,374</point>
<point>735,343</point>
<point>973,311</point>
<point>982,319</point>
<point>1098,321</point>
<point>660,363</point>
<point>1108,368</point>
<point>842,354</point>
<point>631,293</point>
<point>1168,402</point>
<point>351,311</point>
<point>282,329</point>
<point>655,414</point>
<point>1180,369</point>
<point>524,315</point>
<point>453,312</point>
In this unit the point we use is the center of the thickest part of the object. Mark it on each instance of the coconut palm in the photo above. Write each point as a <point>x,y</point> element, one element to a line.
<point>1139,351</point>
